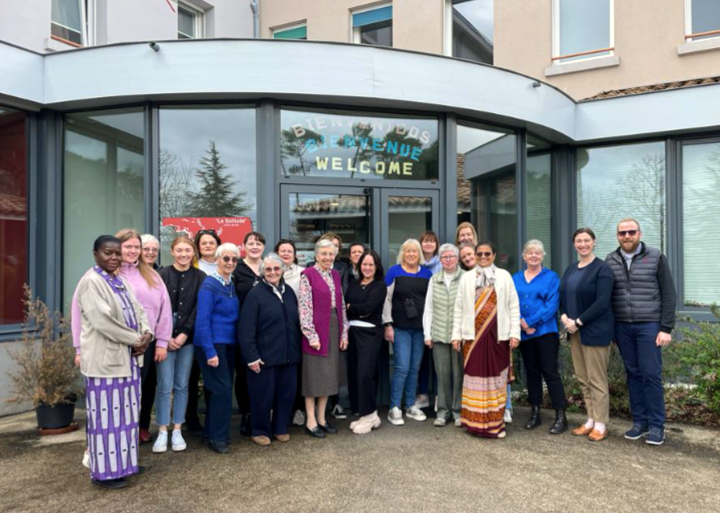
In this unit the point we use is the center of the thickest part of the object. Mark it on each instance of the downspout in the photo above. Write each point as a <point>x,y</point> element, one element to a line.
<point>255,6</point>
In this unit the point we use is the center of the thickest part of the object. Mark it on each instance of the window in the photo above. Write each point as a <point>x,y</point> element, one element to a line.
<point>700,227</point>
<point>538,204</point>
<point>622,181</point>
<point>67,22</point>
<point>294,32</point>
<point>207,170</point>
<point>702,19</point>
<point>358,146</point>
<point>191,21</point>
<point>486,166</point>
<point>104,183</point>
<point>582,29</point>
<point>13,215</point>
<point>373,26</point>
<point>469,30</point>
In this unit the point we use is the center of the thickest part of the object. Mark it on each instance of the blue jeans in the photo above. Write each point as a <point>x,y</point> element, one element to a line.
<point>408,349</point>
<point>219,388</point>
<point>643,365</point>
<point>173,375</point>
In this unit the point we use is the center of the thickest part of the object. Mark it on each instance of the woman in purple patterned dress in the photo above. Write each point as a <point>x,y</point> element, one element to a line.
<point>114,334</point>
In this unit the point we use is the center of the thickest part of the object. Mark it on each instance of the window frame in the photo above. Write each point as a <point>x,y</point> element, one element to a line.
<point>558,59</point>
<point>83,25</point>
<point>689,35</point>
<point>287,28</point>
<point>198,15</point>
<point>355,32</point>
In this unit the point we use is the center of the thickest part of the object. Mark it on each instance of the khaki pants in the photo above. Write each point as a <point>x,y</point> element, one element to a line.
<point>591,364</point>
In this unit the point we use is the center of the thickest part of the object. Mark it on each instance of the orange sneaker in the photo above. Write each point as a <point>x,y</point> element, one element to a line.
<point>581,430</point>
<point>597,436</point>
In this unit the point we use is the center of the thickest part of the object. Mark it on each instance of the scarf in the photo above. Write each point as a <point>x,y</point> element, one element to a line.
<point>485,276</point>
<point>118,286</point>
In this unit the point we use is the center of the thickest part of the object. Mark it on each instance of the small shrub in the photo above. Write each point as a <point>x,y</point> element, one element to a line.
<point>47,372</point>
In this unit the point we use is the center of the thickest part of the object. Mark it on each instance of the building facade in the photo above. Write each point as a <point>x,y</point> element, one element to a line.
<point>375,143</point>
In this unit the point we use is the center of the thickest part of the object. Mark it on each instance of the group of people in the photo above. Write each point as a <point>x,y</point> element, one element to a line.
<point>285,338</point>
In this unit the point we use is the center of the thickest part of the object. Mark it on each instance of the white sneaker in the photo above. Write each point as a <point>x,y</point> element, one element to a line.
<point>395,417</point>
<point>86,458</point>
<point>338,412</point>
<point>440,422</point>
<point>178,442</point>
<point>299,418</point>
<point>161,441</point>
<point>422,401</point>
<point>508,417</point>
<point>458,422</point>
<point>415,413</point>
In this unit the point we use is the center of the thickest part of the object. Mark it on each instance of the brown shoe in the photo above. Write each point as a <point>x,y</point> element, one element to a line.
<point>145,436</point>
<point>282,438</point>
<point>597,436</point>
<point>261,440</point>
<point>581,430</point>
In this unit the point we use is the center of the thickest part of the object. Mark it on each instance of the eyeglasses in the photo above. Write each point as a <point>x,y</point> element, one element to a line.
<point>624,233</point>
<point>484,254</point>
<point>273,269</point>
<point>448,257</point>
<point>150,250</point>
<point>227,259</point>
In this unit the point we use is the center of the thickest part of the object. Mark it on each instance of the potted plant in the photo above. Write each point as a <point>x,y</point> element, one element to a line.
<point>46,373</point>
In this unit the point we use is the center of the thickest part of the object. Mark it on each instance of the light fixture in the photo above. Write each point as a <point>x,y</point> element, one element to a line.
<point>154,46</point>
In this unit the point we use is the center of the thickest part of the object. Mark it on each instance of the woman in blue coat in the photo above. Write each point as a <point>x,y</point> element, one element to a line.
<point>587,315</point>
<point>269,335</point>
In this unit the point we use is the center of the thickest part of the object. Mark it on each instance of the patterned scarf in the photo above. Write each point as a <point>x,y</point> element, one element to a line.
<point>118,286</point>
<point>485,276</point>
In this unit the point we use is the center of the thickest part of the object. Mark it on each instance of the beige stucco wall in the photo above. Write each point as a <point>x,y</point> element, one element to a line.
<point>647,36</point>
<point>417,24</point>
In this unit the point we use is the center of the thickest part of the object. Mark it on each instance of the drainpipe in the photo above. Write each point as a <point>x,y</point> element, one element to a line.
<point>255,6</point>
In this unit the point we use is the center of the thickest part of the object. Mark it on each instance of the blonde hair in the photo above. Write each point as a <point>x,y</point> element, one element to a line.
<point>151,277</point>
<point>463,226</point>
<point>415,244</point>
<point>534,243</point>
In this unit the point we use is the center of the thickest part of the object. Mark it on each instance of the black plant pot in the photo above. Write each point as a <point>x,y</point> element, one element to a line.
<point>55,417</point>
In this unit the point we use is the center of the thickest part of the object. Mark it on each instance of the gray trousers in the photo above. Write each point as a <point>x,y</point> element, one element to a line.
<point>449,370</point>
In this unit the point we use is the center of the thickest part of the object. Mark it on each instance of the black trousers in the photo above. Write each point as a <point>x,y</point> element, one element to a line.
<point>148,375</point>
<point>241,386</point>
<point>540,357</point>
<point>363,358</point>
<point>218,388</point>
<point>272,393</point>
<point>193,393</point>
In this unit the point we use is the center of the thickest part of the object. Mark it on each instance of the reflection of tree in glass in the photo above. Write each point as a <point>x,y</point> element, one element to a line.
<point>295,147</point>
<point>354,139</point>
<point>175,185</point>
<point>216,196</point>
<point>646,187</point>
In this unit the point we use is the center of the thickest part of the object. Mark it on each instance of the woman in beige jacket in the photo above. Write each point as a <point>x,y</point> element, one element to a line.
<point>114,334</point>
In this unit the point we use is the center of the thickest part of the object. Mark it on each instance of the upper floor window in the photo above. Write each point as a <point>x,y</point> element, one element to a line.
<point>582,29</point>
<point>373,26</point>
<point>67,21</point>
<point>298,31</point>
<point>702,19</point>
<point>191,21</point>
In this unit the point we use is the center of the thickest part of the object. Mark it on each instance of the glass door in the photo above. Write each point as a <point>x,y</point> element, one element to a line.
<point>406,214</point>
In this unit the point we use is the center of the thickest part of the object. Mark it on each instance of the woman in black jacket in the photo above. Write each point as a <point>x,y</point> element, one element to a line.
<point>364,301</point>
<point>269,335</point>
<point>183,282</point>
<point>585,292</point>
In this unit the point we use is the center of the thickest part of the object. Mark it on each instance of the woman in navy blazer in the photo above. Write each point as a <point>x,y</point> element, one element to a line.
<point>269,335</point>
<point>585,292</point>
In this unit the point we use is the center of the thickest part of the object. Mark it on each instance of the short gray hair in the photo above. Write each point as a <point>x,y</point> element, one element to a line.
<point>148,237</point>
<point>272,257</point>
<point>534,243</point>
<point>449,247</point>
<point>227,247</point>
<point>325,243</point>
<point>415,244</point>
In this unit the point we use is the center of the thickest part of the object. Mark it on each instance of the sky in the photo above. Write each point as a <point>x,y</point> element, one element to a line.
<point>480,14</point>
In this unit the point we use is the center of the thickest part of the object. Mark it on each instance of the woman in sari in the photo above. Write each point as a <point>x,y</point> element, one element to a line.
<point>486,328</point>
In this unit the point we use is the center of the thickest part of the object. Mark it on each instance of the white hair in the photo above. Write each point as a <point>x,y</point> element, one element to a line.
<point>534,244</point>
<point>449,247</point>
<point>415,244</point>
<point>227,247</point>
<point>325,243</point>
<point>148,237</point>
<point>272,257</point>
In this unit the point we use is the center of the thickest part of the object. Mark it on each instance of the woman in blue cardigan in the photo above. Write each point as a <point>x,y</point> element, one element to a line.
<point>269,334</point>
<point>218,310</point>
<point>587,315</point>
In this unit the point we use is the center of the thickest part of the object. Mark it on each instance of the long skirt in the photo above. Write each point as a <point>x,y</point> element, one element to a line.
<point>112,425</point>
<point>486,363</point>
<point>324,375</point>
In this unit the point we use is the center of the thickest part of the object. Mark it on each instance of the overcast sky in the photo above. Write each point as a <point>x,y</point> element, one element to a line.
<point>480,14</point>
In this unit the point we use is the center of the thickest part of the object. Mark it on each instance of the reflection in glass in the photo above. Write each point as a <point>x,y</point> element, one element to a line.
<point>486,164</point>
<point>311,215</point>
<point>701,226</point>
<point>331,144</point>
<point>13,215</point>
<point>377,34</point>
<point>614,182</point>
<point>539,198</point>
<point>408,218</point>
<point>104,178</point>
<point>207,167</point>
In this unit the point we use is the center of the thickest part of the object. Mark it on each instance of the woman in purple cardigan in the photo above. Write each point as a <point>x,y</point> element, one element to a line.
<point>324,328</point>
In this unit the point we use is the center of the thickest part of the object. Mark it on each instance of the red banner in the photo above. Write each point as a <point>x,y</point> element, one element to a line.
<point>229,229</point>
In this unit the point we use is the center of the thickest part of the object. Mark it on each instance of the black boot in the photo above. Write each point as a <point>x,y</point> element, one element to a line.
<point>245,425</point>
<point>561,423</point>
<point>534,420</point>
